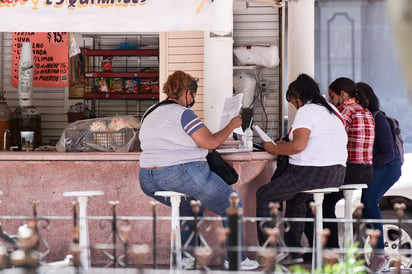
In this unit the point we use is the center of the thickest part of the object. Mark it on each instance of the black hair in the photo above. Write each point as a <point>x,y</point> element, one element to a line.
<point>307,90</point>
<point>367,91</point>
<point>348,86</point>
<point>193,85</point>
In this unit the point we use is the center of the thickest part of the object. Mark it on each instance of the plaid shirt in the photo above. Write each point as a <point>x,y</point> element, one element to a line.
<point>360,126</point>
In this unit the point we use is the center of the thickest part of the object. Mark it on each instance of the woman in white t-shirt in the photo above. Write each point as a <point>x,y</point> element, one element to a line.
<point>317,158</point>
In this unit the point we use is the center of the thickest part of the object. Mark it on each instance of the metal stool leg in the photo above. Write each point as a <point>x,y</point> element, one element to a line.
<point>348,225</point>
<point>82,198</point>
<point>318,196</point>
<point>175,243</point>
<point>175,238</point>
<point>348,191</point>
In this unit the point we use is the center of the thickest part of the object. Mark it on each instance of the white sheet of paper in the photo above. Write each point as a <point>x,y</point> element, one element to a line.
<point>263,134</point>
<point>231,108</point>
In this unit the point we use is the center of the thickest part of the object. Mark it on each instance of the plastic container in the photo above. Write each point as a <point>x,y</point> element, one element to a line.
<point>26,119</point>
<point>5,124</point>
<point>247,139</point>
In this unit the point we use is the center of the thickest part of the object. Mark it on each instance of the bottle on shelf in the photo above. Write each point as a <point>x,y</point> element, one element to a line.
<point>5,123</point>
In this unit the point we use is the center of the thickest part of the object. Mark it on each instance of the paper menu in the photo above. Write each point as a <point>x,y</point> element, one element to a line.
<point>231,108</point>
<point>263,134</point>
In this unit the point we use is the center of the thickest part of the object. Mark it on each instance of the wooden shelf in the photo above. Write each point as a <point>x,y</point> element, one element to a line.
<point>121,96</point>
<point>139,62</point>
<point>122,74</point>
<point>122,52</point>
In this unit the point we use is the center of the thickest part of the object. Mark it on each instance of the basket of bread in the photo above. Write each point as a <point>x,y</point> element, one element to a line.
<point>108,134</point>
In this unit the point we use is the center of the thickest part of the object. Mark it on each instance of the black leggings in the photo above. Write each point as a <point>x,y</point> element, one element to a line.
<point>288,187</point>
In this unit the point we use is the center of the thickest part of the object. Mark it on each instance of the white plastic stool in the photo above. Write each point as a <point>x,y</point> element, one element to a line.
<point>318,196</point>
<point>175,241</point>
<point>82,197</point>
<point>348,191</point>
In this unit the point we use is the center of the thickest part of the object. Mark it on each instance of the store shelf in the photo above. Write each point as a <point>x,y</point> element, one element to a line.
<point>123,68</point>
<point>121,96</point>
<point>122,74</point>
<point>122,52</point>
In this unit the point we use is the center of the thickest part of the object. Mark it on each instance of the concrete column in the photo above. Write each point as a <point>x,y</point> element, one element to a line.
<point>300,42</point>
<point>218,77</point>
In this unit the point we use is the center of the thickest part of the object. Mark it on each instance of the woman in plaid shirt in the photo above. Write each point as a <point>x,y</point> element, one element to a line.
<point>360,127</point>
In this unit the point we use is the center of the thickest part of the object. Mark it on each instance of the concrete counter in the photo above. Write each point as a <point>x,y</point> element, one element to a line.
<point>45,176</point>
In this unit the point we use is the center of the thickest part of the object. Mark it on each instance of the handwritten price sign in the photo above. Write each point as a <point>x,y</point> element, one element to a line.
<point>50,57</point>
<point>56,37</point>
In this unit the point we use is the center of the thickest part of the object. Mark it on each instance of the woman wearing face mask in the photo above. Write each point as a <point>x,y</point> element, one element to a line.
<point>174,144</point>
<point>360,127</point>
<point>317,157</point>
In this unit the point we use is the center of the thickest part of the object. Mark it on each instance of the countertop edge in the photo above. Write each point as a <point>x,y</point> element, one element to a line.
<point>113,156</point>
<point>69,156</point>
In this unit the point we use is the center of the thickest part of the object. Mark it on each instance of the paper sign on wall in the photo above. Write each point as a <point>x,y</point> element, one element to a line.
<point>50,57</point>
<point>116,15</point>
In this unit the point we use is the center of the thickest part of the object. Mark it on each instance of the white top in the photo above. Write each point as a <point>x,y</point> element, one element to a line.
<point>327,140</point>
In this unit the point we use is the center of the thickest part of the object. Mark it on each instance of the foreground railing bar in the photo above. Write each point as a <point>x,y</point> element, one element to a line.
<point>208,218</point>
<point>278,249</point>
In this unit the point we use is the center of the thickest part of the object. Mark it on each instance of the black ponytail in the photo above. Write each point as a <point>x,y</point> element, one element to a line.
<point>307,90</point>
<point>348,86</point>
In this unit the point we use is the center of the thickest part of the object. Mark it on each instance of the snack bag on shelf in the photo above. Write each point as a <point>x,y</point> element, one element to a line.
<point>155,85</point>
<point>102,85</point>
<point>116,85</point>
<point>145,85</point>
<point>107,64</point>
<point>131,85</point>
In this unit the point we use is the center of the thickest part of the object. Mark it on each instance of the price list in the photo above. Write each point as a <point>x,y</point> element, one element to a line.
<point>50,57</point>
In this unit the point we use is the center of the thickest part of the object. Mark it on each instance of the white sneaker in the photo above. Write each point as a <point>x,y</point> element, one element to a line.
<point>246,264</point>
<point>188,263</point>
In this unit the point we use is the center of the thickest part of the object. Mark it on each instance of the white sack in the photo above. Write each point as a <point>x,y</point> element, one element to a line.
<point>258,55</point>
<point>246,84</point>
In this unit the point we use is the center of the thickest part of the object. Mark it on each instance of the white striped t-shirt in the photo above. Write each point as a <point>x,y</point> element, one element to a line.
<point>165,137</point>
